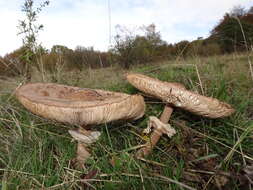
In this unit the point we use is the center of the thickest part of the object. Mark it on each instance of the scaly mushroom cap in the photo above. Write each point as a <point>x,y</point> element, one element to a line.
<point>79,106</point>
<point>177,95</point>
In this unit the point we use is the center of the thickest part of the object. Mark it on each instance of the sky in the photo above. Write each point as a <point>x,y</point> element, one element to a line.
<point>85,23</point>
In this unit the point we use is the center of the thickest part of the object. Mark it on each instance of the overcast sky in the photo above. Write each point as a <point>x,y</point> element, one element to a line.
<point>85,22</point>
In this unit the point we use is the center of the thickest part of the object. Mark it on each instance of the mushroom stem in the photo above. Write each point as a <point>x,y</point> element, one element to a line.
<point>159,130</point>
<point>167,111</point>
<point>82,155</point>
<point>84,138</point>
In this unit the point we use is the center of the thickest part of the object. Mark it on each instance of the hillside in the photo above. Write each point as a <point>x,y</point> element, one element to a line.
<point>204,154</point>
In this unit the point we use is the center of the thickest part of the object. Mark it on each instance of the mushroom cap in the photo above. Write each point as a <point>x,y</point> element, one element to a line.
<point>79,106</point>
<point>177,95</point>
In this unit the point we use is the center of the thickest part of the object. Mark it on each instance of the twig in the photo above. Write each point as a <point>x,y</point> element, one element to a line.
<point>174,181</point>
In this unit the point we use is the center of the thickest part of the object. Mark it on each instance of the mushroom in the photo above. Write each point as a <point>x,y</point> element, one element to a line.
<point>175,94</point>
<point>82,107</point>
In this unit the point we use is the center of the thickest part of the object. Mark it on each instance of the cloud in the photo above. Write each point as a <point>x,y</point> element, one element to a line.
<point>85,22</point>
<point>8,32</point>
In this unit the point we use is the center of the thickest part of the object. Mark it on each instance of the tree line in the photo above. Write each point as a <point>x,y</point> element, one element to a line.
<point>233,33</point>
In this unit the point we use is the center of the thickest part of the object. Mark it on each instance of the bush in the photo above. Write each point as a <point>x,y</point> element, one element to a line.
<point>130,48</point>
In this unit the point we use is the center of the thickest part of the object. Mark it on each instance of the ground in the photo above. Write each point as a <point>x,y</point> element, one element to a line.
<point>204,154</point>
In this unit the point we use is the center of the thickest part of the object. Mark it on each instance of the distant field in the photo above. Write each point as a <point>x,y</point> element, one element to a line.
<point>36,153</point>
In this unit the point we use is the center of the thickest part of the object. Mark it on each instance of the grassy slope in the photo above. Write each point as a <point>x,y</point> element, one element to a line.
<point>35,153</point>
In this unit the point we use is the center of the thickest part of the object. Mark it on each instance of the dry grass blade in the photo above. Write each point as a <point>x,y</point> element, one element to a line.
<point>240,146</point>
<point>246,46</point>
<point>21,172</point>
<point>154,177</point>
<point>200,82</point>
<point>240,139</point>
<point>152,162</point>
<point>174,181</point>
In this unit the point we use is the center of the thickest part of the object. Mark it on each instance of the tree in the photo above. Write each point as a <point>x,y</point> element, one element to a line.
<point>59,49</point>
<point>29,29</point>
<point>131,48</point>
<point>152,35</point>
<point>181,48</point>
<point>157,46</point>
<point>86,57</point>
<point>229,32</point>
<point>124,45</point>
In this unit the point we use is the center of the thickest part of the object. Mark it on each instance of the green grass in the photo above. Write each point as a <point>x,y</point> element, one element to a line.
<point>36,153</point>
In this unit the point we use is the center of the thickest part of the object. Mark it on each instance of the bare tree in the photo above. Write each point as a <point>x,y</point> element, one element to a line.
<point>124,45</point>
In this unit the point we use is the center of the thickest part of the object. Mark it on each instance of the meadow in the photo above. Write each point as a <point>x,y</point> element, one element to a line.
<point>36,153</point>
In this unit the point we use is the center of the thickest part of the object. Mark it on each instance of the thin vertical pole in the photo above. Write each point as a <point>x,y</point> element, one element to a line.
<point>109,19</point>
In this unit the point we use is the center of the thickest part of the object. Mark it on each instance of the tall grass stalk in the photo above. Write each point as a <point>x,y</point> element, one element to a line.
<point>246,47</point>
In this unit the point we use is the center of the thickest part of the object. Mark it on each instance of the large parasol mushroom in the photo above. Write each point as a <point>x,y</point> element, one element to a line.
<point>174,94</point>
<point>80,106</point>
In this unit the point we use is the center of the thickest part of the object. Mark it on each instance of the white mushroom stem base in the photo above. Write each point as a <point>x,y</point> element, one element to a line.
<point>160,127</point>
<point>84,139</point>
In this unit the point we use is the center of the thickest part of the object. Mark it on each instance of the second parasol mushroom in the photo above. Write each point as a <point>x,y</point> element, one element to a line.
<point>174,94</point>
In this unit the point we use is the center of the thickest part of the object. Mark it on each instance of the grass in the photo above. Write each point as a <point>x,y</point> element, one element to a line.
<point>36,153</point>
